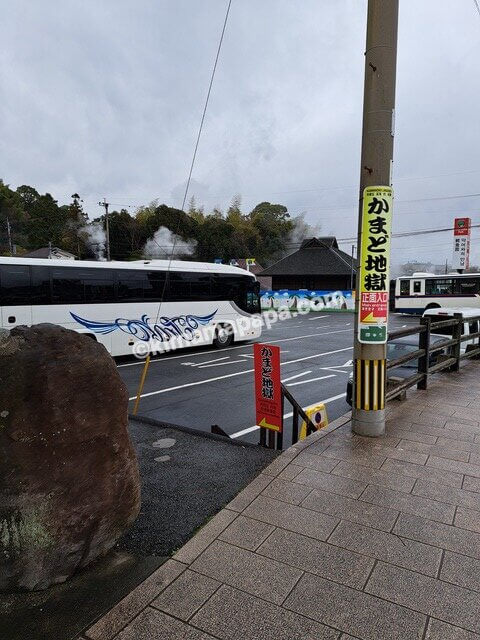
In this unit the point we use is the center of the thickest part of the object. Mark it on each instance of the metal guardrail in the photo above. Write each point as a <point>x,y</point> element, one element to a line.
<point>451,361</point>
<point>274,439</point>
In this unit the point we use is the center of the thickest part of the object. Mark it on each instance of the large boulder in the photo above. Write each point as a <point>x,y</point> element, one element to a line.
<point>69,483</point>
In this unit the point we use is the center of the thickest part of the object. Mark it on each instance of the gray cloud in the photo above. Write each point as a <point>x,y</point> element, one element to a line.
<point>104,98</point>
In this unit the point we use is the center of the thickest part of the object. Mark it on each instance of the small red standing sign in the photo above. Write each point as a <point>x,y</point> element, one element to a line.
<point>268,390</point>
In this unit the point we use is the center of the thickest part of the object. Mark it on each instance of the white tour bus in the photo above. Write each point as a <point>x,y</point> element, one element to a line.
<point>415,294</point>
<point>117,303</point>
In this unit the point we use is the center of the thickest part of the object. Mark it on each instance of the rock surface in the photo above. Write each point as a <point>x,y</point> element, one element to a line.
<point>69,483</point>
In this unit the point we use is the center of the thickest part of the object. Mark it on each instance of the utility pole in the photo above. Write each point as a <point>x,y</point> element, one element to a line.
<point>368,407</point>
<point>351,270</point>
<point>9,236</point>
<point>105,205</point>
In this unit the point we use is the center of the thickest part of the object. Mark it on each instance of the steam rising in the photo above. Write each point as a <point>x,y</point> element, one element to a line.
<point>166,244</point>
<point>96,239</point>
<point>303,230</point>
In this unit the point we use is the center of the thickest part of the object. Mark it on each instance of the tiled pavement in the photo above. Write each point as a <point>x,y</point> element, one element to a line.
<point>342,537</point>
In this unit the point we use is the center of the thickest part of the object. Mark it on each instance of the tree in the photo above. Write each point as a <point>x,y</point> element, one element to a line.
<point>154,216</point>
<point>37,220</point>
<point>12,220</point>
<point>273,224</point>
<point>214,239</point>
<point>197,213</point>
<point>125,236</point>
<point>46,220</point>
<point>234,213</point>
<point>72,239</point>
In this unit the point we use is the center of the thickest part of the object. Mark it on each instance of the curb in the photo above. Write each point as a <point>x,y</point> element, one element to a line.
<point>194,432</point>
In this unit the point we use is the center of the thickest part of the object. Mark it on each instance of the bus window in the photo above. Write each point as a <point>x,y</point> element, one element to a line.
<point>200,288</point>
<point>67,285</point>
<point>98,285</point>
<point>40,285</point>
<point>438,287</point>
<point>253,298</point>
<point>467,286</point>
<point>178,286</point>
<point>154,286</point>
<point>404,287</point>
<point>15,285</point>
<point>131,285</point>
<point>417,286</point>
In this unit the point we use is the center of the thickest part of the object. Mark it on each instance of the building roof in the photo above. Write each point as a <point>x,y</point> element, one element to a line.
<point>47,252</point>
<point>253,268</point>
<point>316,257</point>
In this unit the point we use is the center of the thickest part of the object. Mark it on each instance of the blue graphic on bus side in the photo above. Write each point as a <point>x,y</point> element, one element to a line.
<point>164,329</point>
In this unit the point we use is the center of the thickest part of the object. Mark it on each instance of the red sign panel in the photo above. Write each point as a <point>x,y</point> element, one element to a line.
<point>373,306</point>
<point>462,227</point>
<point>268,391</point>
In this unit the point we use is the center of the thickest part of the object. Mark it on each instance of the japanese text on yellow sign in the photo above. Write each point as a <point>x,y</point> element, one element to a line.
<point>374,264</point>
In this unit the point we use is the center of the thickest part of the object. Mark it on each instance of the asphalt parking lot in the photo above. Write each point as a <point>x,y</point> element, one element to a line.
<point>200,387</point>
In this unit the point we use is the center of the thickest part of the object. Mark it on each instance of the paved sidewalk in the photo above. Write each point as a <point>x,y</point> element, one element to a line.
<point>340,537</point>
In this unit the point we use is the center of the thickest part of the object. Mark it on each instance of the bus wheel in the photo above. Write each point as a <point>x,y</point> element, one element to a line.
<point>432,305</point>
<point>223,336</point>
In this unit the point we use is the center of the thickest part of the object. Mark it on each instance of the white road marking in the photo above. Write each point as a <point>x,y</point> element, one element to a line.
<point>311,380</point>
<point>317,318</point>
<point>219,364</point>
<point>326,401</point>
<point>299,375</point>
<point>316,355</point>
<point>255,427</point>
<point>162,459</point>
<point>164,443</point>
<point>244,432</point>
<point>231,375</point>
<point>243,346</point>
<point>198,364</point>
<point>245,355</point>
<point>339,368</point>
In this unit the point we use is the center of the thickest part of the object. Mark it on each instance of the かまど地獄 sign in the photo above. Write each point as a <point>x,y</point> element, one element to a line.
<point>374,266</point>
<point>268,386</point>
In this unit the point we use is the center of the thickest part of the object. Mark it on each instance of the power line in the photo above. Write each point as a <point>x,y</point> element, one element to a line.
<point>284,192</point>
<point>207,99</point>
<point>400,234</point>
<point>206,104</point>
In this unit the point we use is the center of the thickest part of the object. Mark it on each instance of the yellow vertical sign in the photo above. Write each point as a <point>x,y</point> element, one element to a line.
<point>374,267</point>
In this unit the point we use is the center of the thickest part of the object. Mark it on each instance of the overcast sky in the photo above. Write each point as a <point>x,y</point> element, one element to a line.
<point>104,97</point>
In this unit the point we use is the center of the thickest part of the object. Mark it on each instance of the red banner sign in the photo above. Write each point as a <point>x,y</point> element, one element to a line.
<point>461,243</point>
<point>462,227</point>
<point>374,304</point>
<point>268,391</point>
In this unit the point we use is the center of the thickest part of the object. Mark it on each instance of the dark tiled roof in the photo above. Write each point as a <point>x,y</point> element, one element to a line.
<point>45,252</point>
<point>316,257</point>
<point>254,268</point>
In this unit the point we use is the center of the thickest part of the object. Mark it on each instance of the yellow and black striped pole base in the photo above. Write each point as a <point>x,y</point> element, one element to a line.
<point>370,377</point>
